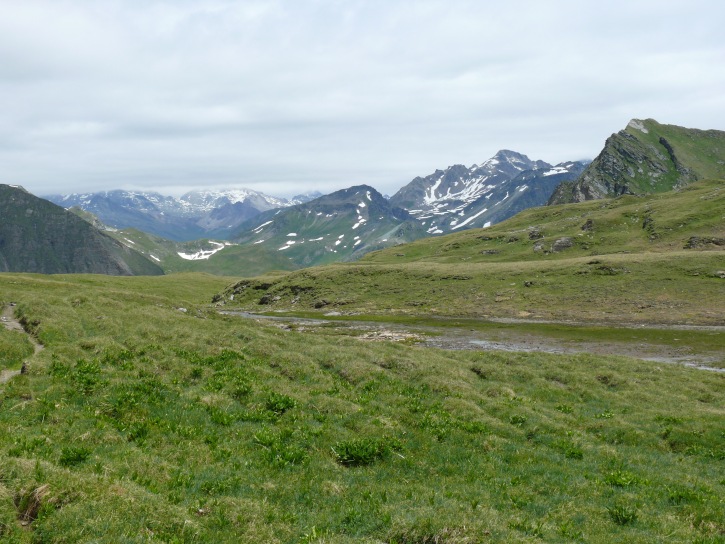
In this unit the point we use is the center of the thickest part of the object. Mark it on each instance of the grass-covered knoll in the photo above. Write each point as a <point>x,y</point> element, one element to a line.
<point>141,422</point>
<point>657,259</point>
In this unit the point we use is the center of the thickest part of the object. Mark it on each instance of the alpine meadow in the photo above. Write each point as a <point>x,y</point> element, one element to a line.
<point>147,409</point>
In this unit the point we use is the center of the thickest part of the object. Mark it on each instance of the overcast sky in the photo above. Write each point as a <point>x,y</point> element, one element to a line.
<point>299,95</point>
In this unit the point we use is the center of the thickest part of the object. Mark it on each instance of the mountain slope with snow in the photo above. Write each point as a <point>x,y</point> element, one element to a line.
<point>337,227</point>
<point>479,196</point>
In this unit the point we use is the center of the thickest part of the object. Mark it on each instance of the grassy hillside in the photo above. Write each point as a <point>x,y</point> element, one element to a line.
<point>655,259</point>
<point>151,418</point>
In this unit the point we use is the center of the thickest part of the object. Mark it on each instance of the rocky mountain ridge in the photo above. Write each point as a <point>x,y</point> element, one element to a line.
<point>648,157</point>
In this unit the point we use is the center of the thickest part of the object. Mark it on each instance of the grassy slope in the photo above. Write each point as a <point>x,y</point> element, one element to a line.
<point>629,265</point>
<point>699,150</point>
<point>242,261</point>
<point>149,424</point>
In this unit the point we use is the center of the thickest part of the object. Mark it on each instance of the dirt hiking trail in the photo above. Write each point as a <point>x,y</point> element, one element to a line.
<point>10,323</point>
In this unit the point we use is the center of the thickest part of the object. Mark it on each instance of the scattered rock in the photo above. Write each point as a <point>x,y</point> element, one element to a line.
<point>321,303</point>
<point>561,244</point>
<point>182,310</point>
<point>535,233</point>
<point>700,241</point>
<point>588,226</point>
<point>390,336</point>
<point>720,274</point>
<point>490,252</point>
<point>333,314</point>
<point>528,283</point>
<point>538,246</point>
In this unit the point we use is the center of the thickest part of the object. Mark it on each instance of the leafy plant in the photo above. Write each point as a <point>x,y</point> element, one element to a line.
<point>278,403</point>
<point>360,451</point>
<point>622,514</point>
<point>72,456</point>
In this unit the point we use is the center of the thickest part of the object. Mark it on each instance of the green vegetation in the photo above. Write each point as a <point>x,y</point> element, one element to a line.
<point>233,260</point>
<point>14,348</point>
<point>149,417</point>
<point>656,259</point>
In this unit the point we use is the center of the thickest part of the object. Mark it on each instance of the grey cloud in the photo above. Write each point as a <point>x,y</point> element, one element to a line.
<point>277,95</point>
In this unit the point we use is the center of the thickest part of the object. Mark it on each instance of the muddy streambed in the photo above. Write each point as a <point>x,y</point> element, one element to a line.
<point>502,338</point>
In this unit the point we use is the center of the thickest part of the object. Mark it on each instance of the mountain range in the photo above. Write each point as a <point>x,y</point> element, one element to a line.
<point>244,232</point>
<point>197,214</point>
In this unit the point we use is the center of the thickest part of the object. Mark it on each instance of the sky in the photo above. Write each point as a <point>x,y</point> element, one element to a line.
<point>291,96</point>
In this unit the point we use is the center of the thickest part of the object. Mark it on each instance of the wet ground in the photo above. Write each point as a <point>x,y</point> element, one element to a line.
<point>505,339</point>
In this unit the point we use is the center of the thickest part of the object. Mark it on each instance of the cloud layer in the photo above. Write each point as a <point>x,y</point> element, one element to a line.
<point>290,96</point>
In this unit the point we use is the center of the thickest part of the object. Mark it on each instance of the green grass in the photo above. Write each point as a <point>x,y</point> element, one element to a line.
<point>629,265</point>
<point>141,422</point>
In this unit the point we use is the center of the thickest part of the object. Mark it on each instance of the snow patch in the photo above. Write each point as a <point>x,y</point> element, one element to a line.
<point>555,170</point>
<point>468,220</point>
<point>260,227</point>
<point>202,254</point>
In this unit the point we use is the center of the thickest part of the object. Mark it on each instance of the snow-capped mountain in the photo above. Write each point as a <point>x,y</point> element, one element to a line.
<point>479,196</point>
<point>336,227</point>
<point>197,214</point>
<point>206,201</point>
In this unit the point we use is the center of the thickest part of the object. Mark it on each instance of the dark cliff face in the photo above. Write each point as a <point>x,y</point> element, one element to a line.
<point>38,236</point>
<point>648,157</point>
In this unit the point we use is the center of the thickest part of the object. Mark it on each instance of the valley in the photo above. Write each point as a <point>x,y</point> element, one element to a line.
<point>334,372</point>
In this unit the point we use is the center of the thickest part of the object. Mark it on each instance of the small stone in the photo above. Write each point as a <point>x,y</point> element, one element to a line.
<point>561,244</point>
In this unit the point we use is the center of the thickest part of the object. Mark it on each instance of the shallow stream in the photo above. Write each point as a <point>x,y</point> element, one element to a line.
<point>505,337</point>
